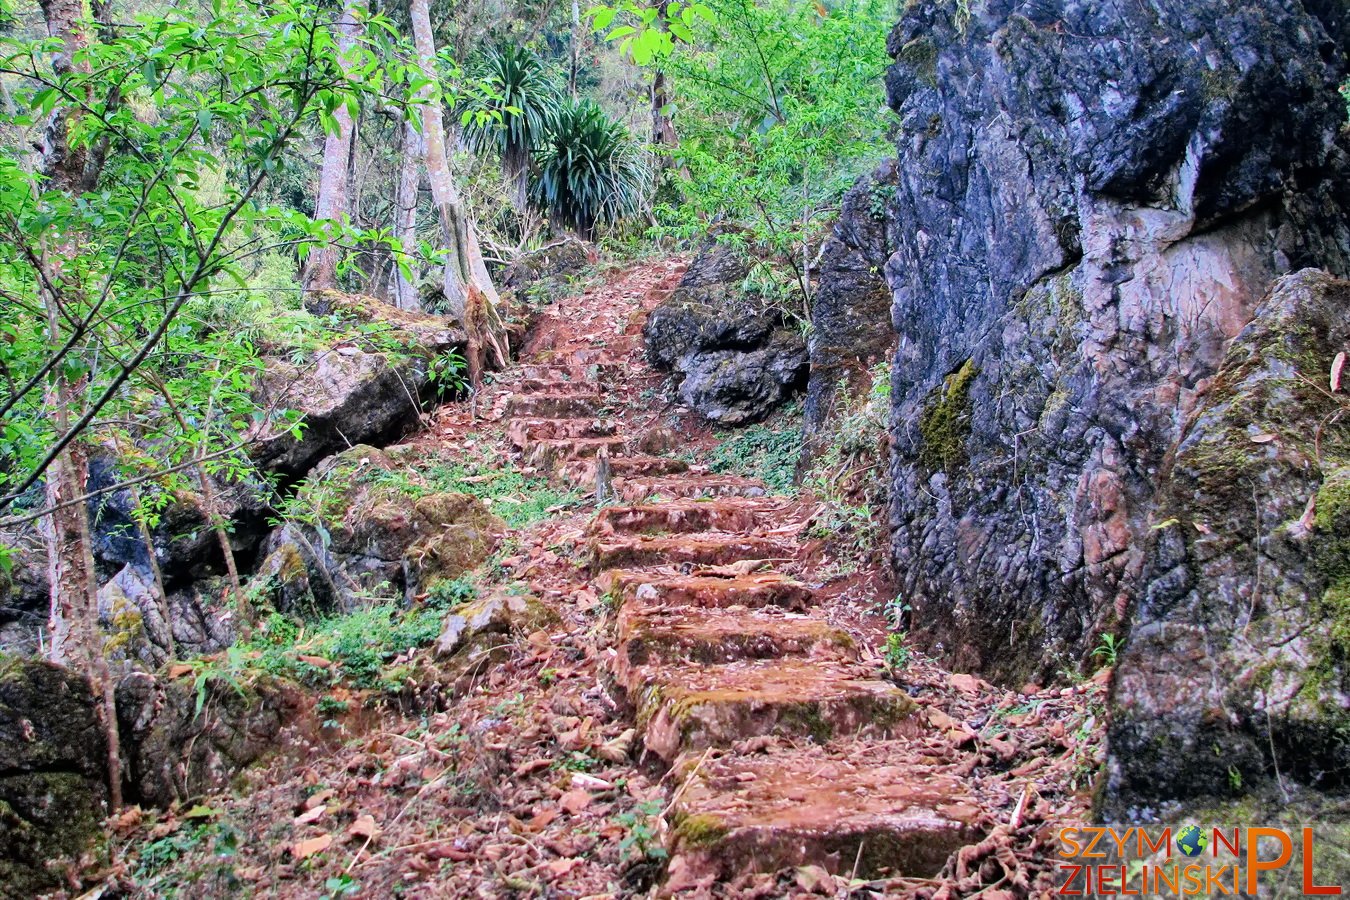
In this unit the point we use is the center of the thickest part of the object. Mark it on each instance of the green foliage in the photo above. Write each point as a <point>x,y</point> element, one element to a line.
<point>454,592</point>
<point>647,32</point>
<point>520,98</point>
<point>641,840</point>
<point>897,651</point>
<point>848,475</point>
<point>360,646</point>
<point>767,451</point>
<point>185,114</point>
<point>1108,649</point>
<point>590,169</point>
<point>779,109</point>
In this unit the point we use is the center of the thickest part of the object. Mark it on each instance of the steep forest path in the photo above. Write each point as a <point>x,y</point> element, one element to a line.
<point>703,703</point>
<point>784,745</point>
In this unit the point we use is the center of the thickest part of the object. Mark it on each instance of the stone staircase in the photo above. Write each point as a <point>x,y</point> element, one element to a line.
<point>783,748</point>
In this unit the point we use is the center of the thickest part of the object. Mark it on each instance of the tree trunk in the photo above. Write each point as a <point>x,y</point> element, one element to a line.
<point>405,216</point>
<point>444,193</point>
<point>664,140</point>
<point>76,640</point>
<point>333,203</point>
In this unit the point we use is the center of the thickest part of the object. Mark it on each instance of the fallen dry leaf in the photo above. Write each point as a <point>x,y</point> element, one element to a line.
<point>364,827</point>
<point>1337,366</point>
<point>306,849</point>
<point>574,801</point>
<point>311,815</point>
<point>560,867</point>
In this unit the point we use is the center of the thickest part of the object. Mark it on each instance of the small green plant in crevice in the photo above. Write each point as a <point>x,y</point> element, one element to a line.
<point>448,373</point>
<point>897,653</point>
<point>641,842</point>
<point>766,451</point>
<point>453,592</point>
<point>1107,651</point>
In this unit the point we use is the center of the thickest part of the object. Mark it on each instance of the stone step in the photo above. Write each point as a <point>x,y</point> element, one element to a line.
<point>673,636</point>
<point>700,549</point>
<point>555,373</point>
<point>554,388</point>
<point>520,432</point>
<point>639,489</point>
<point>691,708</point>
<point>705,590</point>
<point>549,454</point>
<point>581,473</point>
<point>863,803</point>
<point>729,514</point>
<point>554,406</point>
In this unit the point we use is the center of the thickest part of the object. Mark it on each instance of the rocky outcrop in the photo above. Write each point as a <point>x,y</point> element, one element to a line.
<point>851,308</point>
<point>1092,201</point>
<point>370,529</point>
<point>351,395</point>
<point>1238,649</point>
<point>1093,198</point>
<point>24,593</point>
<point>539,276</point>
<point>728,346</point>
<point>53,784</point>
<point>182,740</point>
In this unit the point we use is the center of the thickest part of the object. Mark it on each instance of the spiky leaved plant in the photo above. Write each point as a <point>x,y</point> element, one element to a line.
<point>521,100</point>
<point>589,169</point>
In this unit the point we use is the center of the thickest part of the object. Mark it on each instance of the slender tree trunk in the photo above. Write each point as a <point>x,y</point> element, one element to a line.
<point>405,215</point>
<point>76,638</point>
<point>333,203</point>
<point>664,140</point>
<point>444,193</point>
<point>164,640</point>
<point>576,49</point>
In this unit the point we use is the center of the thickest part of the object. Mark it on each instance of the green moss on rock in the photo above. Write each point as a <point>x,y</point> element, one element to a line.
<point>944,424</point>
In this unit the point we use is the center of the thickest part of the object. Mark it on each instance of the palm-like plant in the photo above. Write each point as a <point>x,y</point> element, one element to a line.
<point>520,99</point>
<point>590,169</point>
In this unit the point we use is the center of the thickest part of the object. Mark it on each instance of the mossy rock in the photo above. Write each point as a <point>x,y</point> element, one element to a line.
<point>52,779</point>
<point>945,423</point>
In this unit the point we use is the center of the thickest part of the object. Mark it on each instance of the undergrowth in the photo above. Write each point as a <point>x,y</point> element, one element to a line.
<point>768,451</point>
<point>848,475</point>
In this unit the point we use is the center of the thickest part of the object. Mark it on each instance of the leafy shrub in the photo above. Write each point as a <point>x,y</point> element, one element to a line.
<point>766,452</point>
<point>590,169</point>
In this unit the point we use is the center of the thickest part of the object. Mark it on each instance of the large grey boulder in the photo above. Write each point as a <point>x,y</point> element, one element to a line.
<point>53,780</point>
<point>1092,200</point>
<point>1240,647</point>
<point>851,309</point>
<point>734,359</point>
<point>1094,197</point>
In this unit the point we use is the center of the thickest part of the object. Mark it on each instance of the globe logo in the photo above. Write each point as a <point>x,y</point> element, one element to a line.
<point>1192,841</point>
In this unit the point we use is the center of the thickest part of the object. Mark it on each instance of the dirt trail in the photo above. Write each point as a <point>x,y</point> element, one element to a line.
<point>784,745</point>
<point>710,716</point>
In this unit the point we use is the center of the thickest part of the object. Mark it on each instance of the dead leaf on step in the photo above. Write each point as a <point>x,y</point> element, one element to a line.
<point>575,800</point>
<point>560,867</point>
<point>542,819</point>
<point>311,815</point>
<point>1337,366</point>
<point>529,768</point>
<point>1264,438</point>
<point>617,750</point>
<point>939,719</point>
<point>966,684</point>
<point>306,849</point>
<point>815,880</point>
<point>364,827</point>
<point>319,799</point>
<point>178,670</point>
<point>317,662</point>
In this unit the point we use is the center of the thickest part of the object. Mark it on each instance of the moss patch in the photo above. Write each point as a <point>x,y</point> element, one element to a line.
<point>944,424</point>
<point>698,831</point>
